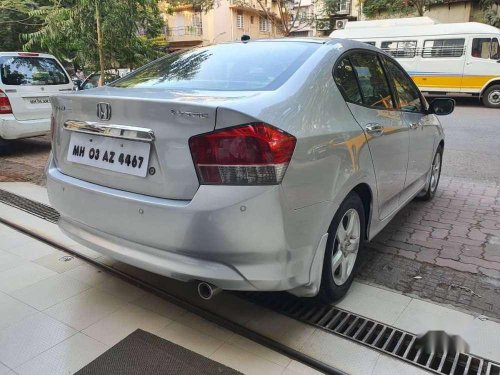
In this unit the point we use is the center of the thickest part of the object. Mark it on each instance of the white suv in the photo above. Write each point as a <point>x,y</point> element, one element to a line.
<point>27,80</point>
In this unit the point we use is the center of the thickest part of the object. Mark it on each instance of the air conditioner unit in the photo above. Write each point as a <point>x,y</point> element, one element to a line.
<point>323,25</point>
<point>340,24</point>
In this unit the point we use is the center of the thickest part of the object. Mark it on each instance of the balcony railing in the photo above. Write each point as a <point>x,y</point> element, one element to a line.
<point>184,31</point>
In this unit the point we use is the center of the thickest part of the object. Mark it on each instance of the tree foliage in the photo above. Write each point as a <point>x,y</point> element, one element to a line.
<point>98,34</point>
<point>491,10</point>
<point>16,20</point>
<point>373,8</point>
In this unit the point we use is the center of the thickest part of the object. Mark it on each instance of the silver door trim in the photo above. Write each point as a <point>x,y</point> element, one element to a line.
<point>109,130</point>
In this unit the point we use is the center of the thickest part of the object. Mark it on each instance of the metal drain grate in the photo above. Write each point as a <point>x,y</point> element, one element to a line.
<point>35,208</point>
<point>376,335</point>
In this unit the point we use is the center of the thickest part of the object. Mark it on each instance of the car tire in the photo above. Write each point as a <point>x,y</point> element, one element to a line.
<point>434,175</point>
<point>342,258</point>
<point>491,97</point>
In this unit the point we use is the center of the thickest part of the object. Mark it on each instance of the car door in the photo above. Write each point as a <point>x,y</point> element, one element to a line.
<point>372,105</point>
<point>422,129</point>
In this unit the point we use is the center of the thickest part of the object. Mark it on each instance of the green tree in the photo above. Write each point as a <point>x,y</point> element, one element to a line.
<point>491,10</point>
<point>16,20</point>
<point>98,33</point>
<point>373,8</point>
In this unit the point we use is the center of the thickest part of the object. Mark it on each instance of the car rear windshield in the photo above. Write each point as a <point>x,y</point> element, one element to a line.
<point>31,71</point>
<point>232,67</point>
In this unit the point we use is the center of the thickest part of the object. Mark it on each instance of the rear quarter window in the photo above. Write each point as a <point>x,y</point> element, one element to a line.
<point>31,71</point>
<point>232,67</point>
<point>345,78</point>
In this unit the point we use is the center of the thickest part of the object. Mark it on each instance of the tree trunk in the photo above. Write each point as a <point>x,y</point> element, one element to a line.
<point>100,47</point>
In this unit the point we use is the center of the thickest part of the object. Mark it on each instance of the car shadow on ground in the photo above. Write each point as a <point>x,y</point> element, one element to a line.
<point>18,147</point>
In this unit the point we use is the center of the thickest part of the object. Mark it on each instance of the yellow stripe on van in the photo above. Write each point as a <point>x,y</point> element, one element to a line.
<point>452,82</point>
<point>476,82</point>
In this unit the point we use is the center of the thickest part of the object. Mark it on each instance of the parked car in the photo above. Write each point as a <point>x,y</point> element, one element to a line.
<point>262,165</point>
<point>442,58</point>
<point>92,80</point>
<point>27,80</point>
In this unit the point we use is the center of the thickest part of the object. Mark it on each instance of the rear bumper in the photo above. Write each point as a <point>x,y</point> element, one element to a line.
<point>10,128</point>
<point>238,238</point>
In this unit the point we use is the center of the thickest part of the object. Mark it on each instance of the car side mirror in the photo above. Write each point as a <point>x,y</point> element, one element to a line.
<point>442,106</point>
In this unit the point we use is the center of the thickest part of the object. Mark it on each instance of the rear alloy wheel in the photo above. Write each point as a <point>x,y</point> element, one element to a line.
<point>491,97</point>
<point>345,241</point>
<point>435,173</point>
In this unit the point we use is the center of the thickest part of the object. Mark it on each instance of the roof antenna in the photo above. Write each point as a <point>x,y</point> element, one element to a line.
<point>245,38</point>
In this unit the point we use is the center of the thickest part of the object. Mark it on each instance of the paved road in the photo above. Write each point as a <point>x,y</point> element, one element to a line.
<point>472,148</point>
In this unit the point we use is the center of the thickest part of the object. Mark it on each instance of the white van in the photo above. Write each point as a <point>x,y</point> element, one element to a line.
<point>443,59</point>
<point>26,82</point>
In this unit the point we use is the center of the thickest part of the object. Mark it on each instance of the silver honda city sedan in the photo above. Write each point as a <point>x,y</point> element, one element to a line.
<point>257,166</point>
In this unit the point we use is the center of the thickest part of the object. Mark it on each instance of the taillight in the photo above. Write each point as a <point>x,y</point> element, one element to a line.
<point>5,106</point>
<point>252,154</point>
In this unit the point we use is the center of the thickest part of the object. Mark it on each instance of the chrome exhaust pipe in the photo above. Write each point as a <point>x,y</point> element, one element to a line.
<point>207,290</point>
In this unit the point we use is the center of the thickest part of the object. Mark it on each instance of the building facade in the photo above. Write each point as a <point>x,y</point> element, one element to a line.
<point>313,20</point>
<point>229,20</point>
<point>446,11</point>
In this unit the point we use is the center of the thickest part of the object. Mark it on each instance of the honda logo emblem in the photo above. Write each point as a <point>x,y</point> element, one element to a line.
<point>103,111</point>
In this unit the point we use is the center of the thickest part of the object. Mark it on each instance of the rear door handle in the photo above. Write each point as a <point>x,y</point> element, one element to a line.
<point>414,125</point>
<point>374,129</point>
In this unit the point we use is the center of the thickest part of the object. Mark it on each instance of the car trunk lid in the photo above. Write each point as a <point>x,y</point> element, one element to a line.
<point>173,119</point>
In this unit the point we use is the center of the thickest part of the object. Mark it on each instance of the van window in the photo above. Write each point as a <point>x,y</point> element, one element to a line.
<point>374,87</point>
<point>443,48</point>
<point>400,48</point>
<point>346,81</point>
<point>370,43</point>
<point>408,95</point>
<point>485,48</point>
<point>30,71</point>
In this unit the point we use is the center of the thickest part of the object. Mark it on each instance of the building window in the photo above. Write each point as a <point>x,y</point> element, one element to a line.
<point>303,15</point>
<point>239,20</point>
<point>485,48</point>
<point>443,48</point>
<point>343,6</point>
<point>400,48</point>
<point>196,21</point>
<point>251,20</point>
<point>263,25</point>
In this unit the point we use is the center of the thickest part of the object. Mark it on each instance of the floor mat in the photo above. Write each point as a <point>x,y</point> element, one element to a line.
<point>144,353</point>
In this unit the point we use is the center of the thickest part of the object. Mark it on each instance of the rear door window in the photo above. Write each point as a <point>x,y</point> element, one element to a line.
<point>232,66</point>
<point>372,81</point>
<point>408,96</point>
<point>31,71</point>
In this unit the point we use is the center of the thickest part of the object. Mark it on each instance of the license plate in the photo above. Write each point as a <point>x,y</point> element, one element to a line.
<point>114,154</point>
<point>39,100</point>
